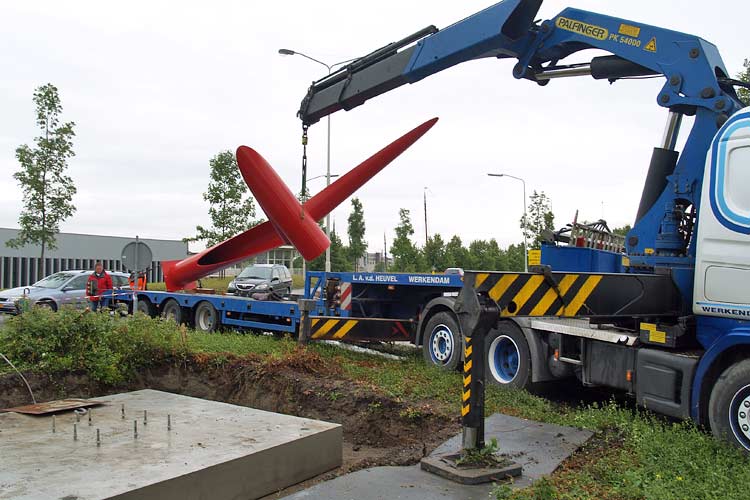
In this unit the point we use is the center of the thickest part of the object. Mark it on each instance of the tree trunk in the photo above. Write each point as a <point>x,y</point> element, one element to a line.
<point>40,265</point>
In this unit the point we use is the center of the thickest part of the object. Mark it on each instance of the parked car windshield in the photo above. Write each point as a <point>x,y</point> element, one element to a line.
<point>54,280</point>
<point>256,272</point>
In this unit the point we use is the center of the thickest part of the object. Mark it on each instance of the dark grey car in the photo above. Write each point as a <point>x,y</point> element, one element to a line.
<point>262,278</point>
<point>66,288</point>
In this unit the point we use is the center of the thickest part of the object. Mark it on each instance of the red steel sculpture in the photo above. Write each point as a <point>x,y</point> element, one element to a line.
<point>289,221</point>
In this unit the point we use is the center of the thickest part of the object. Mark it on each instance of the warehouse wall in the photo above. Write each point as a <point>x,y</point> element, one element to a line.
<point>18,267</point>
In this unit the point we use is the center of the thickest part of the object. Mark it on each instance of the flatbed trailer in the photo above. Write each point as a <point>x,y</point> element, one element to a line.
<point>348,306</point>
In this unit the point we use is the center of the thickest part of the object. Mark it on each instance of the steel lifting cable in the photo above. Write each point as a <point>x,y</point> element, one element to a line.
<point>303,194</point>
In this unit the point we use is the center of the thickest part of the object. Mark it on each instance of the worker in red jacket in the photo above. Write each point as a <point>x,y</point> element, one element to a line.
<point>98,283</point>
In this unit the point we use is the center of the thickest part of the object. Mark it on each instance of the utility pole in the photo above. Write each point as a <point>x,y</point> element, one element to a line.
<point>385,254</point>
<point>425,216</point>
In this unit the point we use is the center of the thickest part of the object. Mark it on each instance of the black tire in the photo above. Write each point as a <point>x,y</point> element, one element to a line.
<point>442,341</point>
<point>206,317</point>
<point>172,310</point>
<point>729,405</point>
<point>508,357</point>
<point>47,304</point>
<point>146,307</point>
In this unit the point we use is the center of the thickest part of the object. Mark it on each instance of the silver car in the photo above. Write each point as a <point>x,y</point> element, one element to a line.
<point>66,288</point>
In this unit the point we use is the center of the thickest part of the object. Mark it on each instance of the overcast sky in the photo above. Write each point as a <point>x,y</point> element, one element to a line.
<point>157,88</point>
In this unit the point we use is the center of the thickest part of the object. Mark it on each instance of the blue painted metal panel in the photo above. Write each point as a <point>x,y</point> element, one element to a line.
<point>408,279</point>
<point>258,325</point>
<point>581,260</point>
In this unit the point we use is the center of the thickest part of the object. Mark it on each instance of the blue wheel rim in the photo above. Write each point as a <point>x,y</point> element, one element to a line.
<point>504,359</point>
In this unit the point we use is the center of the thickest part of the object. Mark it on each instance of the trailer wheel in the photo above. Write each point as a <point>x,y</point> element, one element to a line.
<point>171,310</point>
<point>146,307</point>
<point>729,405</point>
<point>442,341</point>
<point>508,357</point>
<point>206,317</point>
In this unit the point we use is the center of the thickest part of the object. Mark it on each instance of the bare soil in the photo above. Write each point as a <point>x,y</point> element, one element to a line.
<point>378,430</point>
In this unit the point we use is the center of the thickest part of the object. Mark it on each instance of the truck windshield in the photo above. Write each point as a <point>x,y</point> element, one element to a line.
<point>256,272</point>
<point>54,280</point>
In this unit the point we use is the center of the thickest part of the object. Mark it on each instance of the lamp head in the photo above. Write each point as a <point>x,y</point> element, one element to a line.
<point>286,52</point>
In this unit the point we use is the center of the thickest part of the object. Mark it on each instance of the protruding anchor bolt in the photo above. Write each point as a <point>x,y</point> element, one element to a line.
<point>53,424</point>
<point>98,438</point>
<point>75,432</point>
<point>169,422</point>
<point>145,417</point>
<point>122,411</point>
<point>89,417</point>
<point>135,429</point>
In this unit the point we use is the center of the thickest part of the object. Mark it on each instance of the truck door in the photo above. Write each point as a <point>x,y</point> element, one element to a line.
<point>722,278</point>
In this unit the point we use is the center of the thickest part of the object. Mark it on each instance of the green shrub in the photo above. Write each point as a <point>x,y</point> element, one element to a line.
<point>108,348</point>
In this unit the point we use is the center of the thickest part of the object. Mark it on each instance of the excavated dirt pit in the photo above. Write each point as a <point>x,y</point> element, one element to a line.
<point>377,430</point>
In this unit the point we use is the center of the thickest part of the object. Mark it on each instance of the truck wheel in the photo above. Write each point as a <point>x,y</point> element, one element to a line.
<point>146,307</point>
<point>729,405</point>
<point>206,317</point>
<point>441,345</point>
<point>508,357</point>
<point>171,310</point>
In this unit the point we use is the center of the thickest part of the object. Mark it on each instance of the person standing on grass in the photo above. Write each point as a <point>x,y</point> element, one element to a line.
<point>98,283</point>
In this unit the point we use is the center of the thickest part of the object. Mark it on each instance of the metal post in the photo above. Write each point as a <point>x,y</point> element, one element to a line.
<point>305,307</point>
<point>525,218</point>
<point>525,244</point>
<point>135,281</point>
<point>472,401</point>
<point>477,315</point>
<point>329,67</point>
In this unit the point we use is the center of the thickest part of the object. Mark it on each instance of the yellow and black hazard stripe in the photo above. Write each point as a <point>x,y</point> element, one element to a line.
<point>466,396</point>
<point>331,328</point>
<point>533,295</point>
<point>569,295</point>
<point>337,328</point>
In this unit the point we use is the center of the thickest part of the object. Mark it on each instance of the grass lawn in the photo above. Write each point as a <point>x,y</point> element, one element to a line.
<point>634,455</point>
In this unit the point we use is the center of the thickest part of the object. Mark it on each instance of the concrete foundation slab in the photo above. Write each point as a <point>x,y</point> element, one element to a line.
<point>213,451</point>
<point>538,447</point>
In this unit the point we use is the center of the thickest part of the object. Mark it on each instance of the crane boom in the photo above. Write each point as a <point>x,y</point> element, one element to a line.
<point>696,84</point>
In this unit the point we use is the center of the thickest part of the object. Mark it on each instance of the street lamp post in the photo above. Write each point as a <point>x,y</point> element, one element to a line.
<point>329,67</point>
<point>525,246</point>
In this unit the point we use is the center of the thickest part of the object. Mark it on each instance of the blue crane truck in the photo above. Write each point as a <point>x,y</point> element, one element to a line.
<point>665,319</point>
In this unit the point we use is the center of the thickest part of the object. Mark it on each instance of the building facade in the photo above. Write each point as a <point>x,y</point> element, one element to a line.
<point>18,266</point>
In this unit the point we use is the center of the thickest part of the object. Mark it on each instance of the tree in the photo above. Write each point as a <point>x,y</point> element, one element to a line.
<point>515,258</point>
<point>47,190</point>
<point>406,256</point>
<point>744,76</point>
<point>230,213</point>
<point>456,255</point>
<point>539,217</point>
<point>622,231</point>
<point>356,231</point>
<point>434,253</point>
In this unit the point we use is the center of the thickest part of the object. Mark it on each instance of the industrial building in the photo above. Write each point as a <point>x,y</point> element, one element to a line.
<point>19,266</point>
